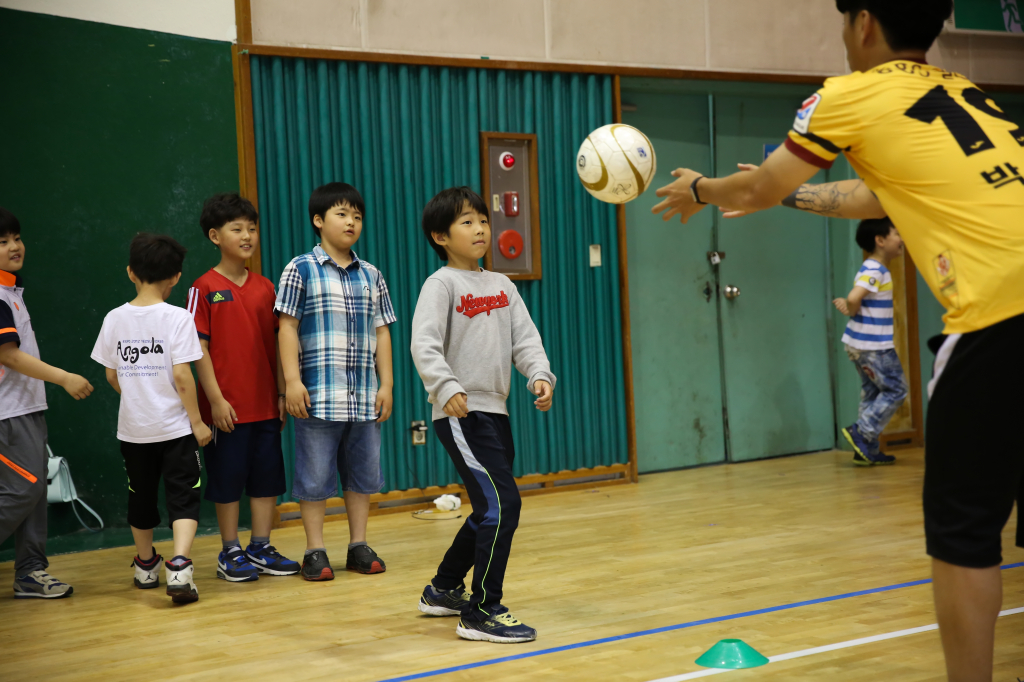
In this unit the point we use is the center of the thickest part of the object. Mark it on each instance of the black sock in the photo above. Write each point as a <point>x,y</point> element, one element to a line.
<point>150,562</point>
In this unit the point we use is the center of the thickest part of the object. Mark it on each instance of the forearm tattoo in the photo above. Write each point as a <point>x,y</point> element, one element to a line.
<point>827,199</point>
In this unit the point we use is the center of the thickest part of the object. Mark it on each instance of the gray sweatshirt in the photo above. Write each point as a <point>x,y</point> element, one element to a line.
<point>467,331</point>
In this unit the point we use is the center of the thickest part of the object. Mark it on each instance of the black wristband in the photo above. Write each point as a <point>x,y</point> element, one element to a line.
<point>693,190</point>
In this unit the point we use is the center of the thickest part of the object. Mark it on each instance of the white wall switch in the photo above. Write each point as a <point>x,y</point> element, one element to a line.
<point>595,255</point>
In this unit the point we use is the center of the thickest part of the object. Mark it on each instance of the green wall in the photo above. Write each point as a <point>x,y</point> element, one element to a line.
<point>106,132</point>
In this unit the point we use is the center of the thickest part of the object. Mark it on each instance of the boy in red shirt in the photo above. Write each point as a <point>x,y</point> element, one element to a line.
<point>241,390</point>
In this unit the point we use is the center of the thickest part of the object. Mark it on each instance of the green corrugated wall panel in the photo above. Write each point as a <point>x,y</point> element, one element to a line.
<point>400,134</point>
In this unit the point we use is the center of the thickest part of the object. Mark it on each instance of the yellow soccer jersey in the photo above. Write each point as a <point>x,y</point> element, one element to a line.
<point>947,166</point>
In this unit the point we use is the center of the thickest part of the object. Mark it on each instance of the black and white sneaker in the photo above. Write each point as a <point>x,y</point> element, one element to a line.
<point>147,573</point>
<point>435,602</point>
<point>501,629</point>
<point>181,586</point>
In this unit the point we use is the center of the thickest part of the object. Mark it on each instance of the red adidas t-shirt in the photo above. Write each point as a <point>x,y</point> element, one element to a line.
<point>240,325</point>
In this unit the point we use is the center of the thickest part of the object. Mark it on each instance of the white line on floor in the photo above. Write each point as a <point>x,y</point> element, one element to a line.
<point>822,649</point>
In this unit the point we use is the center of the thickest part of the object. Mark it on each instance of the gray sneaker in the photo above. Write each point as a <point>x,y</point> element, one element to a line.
<point>40,585</point>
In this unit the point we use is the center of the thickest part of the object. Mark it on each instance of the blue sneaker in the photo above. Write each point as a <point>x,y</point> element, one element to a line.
<point>234,567</point>
<point>435,602</point>
<point>266,559</point>
<point>501,629</point>
<point>862,455</point>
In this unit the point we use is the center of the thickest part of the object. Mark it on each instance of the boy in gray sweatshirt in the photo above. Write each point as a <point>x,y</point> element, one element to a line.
<point>469,327</point>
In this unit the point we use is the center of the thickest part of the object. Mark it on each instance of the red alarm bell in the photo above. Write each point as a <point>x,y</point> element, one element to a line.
<point>507,160</point>
<point>510,243</point>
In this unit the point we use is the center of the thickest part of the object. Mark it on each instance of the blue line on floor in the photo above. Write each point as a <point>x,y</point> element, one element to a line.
<point>667,628</point>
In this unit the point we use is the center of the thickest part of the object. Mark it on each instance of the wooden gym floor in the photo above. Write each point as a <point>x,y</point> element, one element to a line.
<point>586,565</point>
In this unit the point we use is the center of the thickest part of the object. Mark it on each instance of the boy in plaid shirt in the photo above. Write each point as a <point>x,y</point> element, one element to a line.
<point>334,342</point>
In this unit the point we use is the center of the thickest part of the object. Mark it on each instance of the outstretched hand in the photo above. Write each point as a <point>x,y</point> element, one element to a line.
<point>678,199</point>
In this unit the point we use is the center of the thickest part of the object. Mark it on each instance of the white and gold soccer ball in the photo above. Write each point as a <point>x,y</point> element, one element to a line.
<point>616,163</point>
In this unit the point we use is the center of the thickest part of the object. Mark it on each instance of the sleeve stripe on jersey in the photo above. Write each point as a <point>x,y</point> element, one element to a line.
<point>193,301</point>
<point>8,330</point>
<point>820,141</point>
<point>807,155</point>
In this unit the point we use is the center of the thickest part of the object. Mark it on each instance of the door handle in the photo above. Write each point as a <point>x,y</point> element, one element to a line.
<point>731,292</point>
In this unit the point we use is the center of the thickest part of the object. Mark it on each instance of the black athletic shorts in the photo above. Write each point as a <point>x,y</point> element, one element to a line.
<point>177,462</point>
<point>974,454</point>
<point>248,458</point>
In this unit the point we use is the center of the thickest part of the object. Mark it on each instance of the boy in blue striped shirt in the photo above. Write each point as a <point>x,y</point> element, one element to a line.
<point>869,341</point>
<point>335,310</point>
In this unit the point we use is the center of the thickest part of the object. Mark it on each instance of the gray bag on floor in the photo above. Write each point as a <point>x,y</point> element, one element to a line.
<point>60,488</point>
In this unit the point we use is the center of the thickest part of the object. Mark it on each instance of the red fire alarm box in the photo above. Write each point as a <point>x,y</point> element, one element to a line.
<point>509,165</point>
<point>510,207</point>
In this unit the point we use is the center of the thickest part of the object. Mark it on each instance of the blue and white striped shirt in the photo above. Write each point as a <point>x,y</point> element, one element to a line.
<point>339,310</point>
<point>871,327</point>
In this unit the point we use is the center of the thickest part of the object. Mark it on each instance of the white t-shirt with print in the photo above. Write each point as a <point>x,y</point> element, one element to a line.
<point>143,343</point>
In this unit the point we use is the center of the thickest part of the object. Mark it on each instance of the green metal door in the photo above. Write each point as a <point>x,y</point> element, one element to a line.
<point>775,343</point>
<point>673,308</point>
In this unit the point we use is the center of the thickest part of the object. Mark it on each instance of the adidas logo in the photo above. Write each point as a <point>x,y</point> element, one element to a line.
<point>218,297</point>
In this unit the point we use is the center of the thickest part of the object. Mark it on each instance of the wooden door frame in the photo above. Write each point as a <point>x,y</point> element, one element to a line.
<point>913,438</point>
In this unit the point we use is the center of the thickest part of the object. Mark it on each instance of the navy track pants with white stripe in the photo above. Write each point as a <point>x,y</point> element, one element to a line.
<point>482,450</point>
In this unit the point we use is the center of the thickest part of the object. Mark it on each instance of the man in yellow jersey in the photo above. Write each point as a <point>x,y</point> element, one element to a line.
<point>939,157</point>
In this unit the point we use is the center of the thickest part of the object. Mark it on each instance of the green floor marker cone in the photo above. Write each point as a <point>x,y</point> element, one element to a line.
<point>731,654</point>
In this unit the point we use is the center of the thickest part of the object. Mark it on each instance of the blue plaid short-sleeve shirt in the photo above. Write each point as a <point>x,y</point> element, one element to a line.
<point>339,310</point>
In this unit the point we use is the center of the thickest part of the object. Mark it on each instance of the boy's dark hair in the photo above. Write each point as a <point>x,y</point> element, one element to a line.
<point>871,228</point>
<point>155,257</point>
<point>906,24</point>
<point>221,209</point>
<point>326,197</point>
<point>9,225</point>
<point>441,211</point>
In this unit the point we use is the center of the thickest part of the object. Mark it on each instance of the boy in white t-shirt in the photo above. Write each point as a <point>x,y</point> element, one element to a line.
<point>869,341</point>
<point>146,346</point>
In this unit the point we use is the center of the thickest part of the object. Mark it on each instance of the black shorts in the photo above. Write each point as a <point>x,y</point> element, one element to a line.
<point>247,459</point>
<point>974,457</point>
<point>177,461</point>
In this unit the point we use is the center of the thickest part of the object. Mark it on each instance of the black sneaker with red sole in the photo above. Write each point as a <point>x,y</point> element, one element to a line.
<point>362,559</point>
<point>315,566</point>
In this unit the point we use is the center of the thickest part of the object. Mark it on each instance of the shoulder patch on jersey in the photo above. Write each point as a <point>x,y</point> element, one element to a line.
<point>220,296</point>
<point>872,281</point>
<point>804,113</point>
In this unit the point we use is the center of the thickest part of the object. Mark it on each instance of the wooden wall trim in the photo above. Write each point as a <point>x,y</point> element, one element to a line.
<point>246,139</point>
<point>522,65</point>
<point>627,337</point>
<point>563,67</point>
<point>421,498</point>
<point>243,21</point>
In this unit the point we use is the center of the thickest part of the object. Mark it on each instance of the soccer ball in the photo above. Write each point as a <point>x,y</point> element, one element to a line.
<point>616,163</point>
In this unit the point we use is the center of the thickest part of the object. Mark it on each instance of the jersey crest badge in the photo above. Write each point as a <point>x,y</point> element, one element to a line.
<point>804,113</point>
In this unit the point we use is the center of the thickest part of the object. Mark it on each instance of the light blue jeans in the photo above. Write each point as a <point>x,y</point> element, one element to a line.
<point>325,450</point>
<point>883,389</point>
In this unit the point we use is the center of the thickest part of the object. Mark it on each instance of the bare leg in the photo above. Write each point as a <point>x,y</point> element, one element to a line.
<point>143,543</point>
<point>967,602</point>
<point>184,534</point>
<point>313,522</point>
<point>357,507</point>
<point>227,519</point>
<point>263,515</point>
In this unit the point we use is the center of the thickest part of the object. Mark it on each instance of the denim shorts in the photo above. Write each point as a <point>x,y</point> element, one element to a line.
<point>325,449</point>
